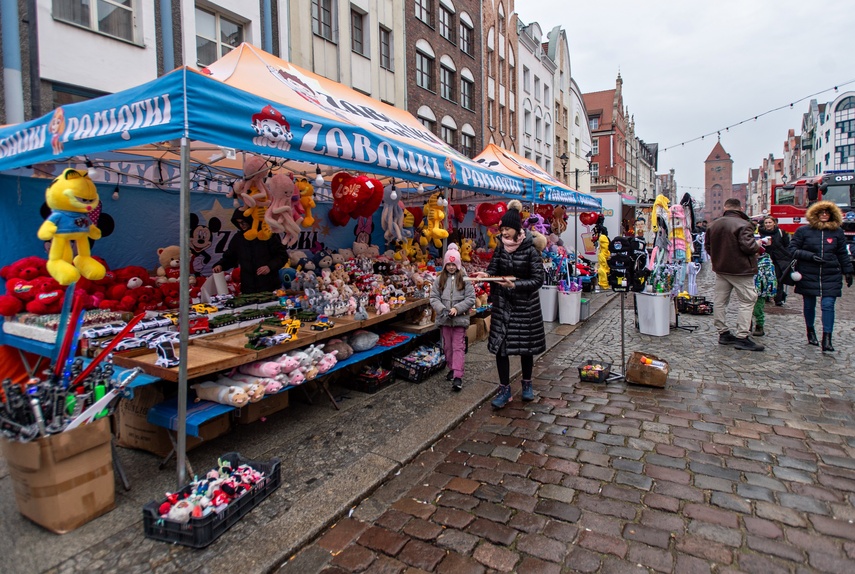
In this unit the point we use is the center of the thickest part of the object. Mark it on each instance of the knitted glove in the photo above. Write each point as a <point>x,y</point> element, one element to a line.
<point>849,280</point>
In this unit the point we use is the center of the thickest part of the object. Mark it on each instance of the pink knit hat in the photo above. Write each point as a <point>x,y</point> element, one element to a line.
<point>452,255</point>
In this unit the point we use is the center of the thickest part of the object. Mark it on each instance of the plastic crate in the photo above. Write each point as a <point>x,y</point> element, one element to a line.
<point>371,382</point>
<point>200,532</point>
<point>702,308</point>
<point>595,376</point>
<point>412,371</point>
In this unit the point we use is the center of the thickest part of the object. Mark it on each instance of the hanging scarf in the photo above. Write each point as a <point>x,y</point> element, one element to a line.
<point>511,245</point>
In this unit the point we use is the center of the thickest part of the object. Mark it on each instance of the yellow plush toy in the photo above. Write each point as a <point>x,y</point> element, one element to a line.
<point>307,200</point>
<point>71,197</point>
<point>434,214</point>
<point>466,248</point>
<point>603,255</point>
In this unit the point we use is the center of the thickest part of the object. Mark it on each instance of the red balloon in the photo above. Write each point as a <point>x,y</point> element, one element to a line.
<point>588,217</point>
<point>418,214</point>
<point>490,214</point>
<point>338,217</point>
<point>345,192</point>
<point>370,197</point>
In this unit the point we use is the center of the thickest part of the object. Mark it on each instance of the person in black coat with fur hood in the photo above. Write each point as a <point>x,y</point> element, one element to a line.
<point>823,261</point>
<point>516,326</point>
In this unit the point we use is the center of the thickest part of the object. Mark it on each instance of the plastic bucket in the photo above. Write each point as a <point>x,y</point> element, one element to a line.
<point>549,302</point>
<point>569,307</point>
<point>585,310</point>
<point>654,313</point>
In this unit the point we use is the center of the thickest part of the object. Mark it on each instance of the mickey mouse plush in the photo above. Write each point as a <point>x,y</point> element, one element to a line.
<point>201,238</point>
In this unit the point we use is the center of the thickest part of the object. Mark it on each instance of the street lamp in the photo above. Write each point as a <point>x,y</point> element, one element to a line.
<point>564,158</point>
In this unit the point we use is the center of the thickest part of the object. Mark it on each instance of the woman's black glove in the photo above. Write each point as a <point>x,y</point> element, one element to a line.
<point>849,280</point>
<point>817,259</point>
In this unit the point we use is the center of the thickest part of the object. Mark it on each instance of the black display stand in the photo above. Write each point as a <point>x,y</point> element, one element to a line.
<point>677,326</point>
<point>618,375</point>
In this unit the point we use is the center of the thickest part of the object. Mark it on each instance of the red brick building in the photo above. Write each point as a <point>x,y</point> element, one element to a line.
<point>718,181</point>
<point>607,118</point>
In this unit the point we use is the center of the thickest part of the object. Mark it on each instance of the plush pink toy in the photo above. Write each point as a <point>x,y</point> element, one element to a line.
<point>296,377</point>
<point>280,214</point>
<point>253,389</point>
<point>315,352</point>
<point>261,369</point>
<point>327,362</point>
<point>211,391</point>
<point>270,385</point>
<point>303,357</point>
<point>287,364</point>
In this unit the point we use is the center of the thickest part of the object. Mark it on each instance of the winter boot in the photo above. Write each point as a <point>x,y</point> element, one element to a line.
<point>457,385</point>
<point>826,343</point>
<point>811,335</point>
<point>503,397</point>
<point>449,375</point>
<point>747,344</point>
<point>527,393</point>
<point>758,331</point>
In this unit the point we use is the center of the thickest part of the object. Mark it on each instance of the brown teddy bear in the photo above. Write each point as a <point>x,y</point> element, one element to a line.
<point>170,261</point>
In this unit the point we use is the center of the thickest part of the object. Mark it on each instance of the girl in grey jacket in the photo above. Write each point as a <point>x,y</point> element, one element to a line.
<point>451,298</point>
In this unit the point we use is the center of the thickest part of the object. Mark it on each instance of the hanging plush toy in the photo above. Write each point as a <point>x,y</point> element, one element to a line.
<point>71,197</point>
<point>279,214</point>
<point>392,217</point>
<point>434,215</point>
<point>559,220</point>
<point>307,201</point>
<point>256,197</point>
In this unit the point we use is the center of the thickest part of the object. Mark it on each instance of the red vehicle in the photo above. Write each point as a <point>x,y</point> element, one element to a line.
<point>790,201</point>
<point>199,325</point>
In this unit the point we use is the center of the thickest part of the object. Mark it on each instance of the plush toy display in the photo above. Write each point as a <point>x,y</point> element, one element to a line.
<point>435,214</point>
<point>256,197</point>
<point>392,217</point>
<point>279,214</point>
<point>211,391</point>
<point>170,265</point>
<point>48,298</point>
<point>72,198</point>
<point>307,201</point>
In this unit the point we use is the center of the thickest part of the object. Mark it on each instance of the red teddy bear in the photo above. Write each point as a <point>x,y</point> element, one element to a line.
<point>48,297</point>
<point>27,268</point>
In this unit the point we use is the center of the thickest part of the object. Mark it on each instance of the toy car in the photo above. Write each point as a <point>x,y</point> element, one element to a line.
<point>166,355</point>
<point>273,340</point>
<point>249,315</point>
<point>199,325</point>
<point>126,344</point>
<point>222,320</point>
<point>103,331</point>
<point>204,308</point>
<point>323,323</point>
<point>151,323</point>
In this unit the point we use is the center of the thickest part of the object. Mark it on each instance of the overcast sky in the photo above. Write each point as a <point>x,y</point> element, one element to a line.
<point>690,68</point>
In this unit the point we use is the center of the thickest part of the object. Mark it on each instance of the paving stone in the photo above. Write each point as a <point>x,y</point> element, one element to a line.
<point>727,536</point>
<point>490,492</point>
<point>779,549</point>
<point>354,558</point>
<point>558,510</point>
<point>554,492</point>
<point>341,534</point>
<point>603,543</point>
<point>832,527</point>
<point>716,471</point>
<point>678,491</point>
<point>827,563</point>
<point>462,485</point>
<point>416,507</point>
<point>730,502</point>
<point>457,540</point>
<point>655,558</point>
<point>755,563</point>
<point>597,473</point>
<point>634,479</point>
<point>527,522</point>
<point>691,565</point>
<point>495,557</point>
<point>542,547</point>
<point>605,506</point>
<point>755,492</point>
<point>712,483</point>
<point>654,500</point>
<point>456,500</point>
<point>493,512</point>
<point>667,474</point>
<point>705,549</point>
<point>531,565</point>
<point>562,531</point>
<point>383,540</point>
<point>546,476</point>
<point>625,464</point>
<point>803,503</point>
<point>777,513</point>
<point>452,518</point>
<point>667,461</point>
<point>454,563</point>
<point>647,535</point>
<point>422,529</point>
<point>421,555</point>
<point>393,519</point>
<point>507,453</point>
<point>581,560</point>
<point>492,531</point>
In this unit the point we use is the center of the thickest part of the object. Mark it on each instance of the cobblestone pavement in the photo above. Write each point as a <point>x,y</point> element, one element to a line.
<point>744,463</point>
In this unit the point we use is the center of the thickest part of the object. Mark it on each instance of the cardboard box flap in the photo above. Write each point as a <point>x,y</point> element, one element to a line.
<point>24,455</point>
<point>81,439</point>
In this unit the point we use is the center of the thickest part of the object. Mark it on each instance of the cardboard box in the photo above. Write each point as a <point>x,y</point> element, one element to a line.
<point>265,407</point>
<point>133,430</point>
<point>472,333</point>
<point>639,373</point>
<point>64,480</point>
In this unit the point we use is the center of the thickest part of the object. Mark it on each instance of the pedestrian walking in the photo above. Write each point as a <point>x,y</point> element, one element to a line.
<point>766,285</point>
<point>730,242</point>
<point>516,326</point>
<point>452,298</point>
<point>778,250</point>
<point>823,261</point>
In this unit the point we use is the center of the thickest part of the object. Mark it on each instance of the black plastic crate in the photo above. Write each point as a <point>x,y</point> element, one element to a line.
<point>599,376</point>
<point>200,532</point>
<point>412,371</point>
<point>371,383</point>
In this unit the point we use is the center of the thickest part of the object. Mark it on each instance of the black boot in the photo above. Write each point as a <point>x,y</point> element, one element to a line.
<point>826,343</point>
<point>812,338</point>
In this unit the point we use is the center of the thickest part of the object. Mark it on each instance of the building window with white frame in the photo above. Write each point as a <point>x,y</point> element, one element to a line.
<point>526,80</point>
<point>216,36</point>
<point>537,88</point>
<point>594,123</point>
<point>595,170</point>
<point>467,145</point>
<point>322,19</point>
<point>428,123</point>
<point>595,146</point>
<point>424,71</point>
<point>424,11</point>
<point>466,38</point>
<point>446,23</point>
<point>111,17</point>
<point>446,83</point>
<point>357,32</point>
<point>527,122</point>
<point>449,135</point>
<point>386,59</point>
<point>467,88</point>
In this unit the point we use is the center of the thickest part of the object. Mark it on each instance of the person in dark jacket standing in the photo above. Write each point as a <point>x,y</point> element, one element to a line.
<point>259,261</point>
<point>516,326</point>
<point>733,251</point>
<point>823,261</point>
<point>778,250</point>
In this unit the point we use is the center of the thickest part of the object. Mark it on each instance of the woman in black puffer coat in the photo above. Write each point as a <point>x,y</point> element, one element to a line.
<point>516,326</point>
<point>778,250</point>
<point>823,261</point>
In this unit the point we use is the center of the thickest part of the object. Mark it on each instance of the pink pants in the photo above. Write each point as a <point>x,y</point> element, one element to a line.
<point>454,345</point>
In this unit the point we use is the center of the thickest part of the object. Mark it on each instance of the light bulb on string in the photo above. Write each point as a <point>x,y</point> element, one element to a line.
<point>90,168</point>
<point>421,188</point>
<point>116,193</point>
<point>394,195</point>
<point>319,178</point>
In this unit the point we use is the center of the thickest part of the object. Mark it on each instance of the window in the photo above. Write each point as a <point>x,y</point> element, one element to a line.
<point>64,94</point>
<point>595,146</point>
<point>386,48</point>
<point>511,124</point>
<point>446,83</point>
<point>512,79</point>
<point>538,129</point>
<point>526,80</point>
<point>527,122</point>
<point>595,170</point>
<point>446,23</point>
<point>490,114</point>
<point>847,128</point>
<point>322,19</point>
<point>537,88</point>
<point>357,32</point>
<point>467,145</point>
<point>216,36</point>
<point>466,34</point>
<point>429,124</point>
<point>501,118</point>
<point>467,88</point>
<point>594,123</point>
<point>448,135</point>
<point>112,17</point>
<point>846,104</point>
<point>424,11</point>
<point>501,72</point>
<point>424,71</point>
<point>546,94</point>
<point>501,23</point>
<point>845,152</point>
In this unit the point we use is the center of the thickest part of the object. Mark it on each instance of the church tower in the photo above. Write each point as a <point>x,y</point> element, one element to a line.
<point>718,181</point>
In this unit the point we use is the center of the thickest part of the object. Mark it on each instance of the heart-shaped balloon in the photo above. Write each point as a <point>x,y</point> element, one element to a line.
<point>370,196</point>
<point>345,192</point>
<point>490,214</point>
<point>588,217</point>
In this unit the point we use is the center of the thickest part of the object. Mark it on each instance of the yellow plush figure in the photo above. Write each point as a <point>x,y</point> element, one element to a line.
<point>602,261</point>
<point>491,235</point>
<point>307,200</point>
<point>466,248</point>
<point>435,214</point>
<point>71,197</point>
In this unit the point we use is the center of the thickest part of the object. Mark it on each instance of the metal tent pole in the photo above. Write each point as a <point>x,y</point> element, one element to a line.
<point>183,309</point>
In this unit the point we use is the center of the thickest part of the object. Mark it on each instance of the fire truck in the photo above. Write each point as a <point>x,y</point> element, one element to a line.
<point>789,202</point>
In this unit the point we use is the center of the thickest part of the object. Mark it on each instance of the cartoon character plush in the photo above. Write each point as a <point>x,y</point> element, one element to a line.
<point>307,200</point>
<point>201,239</point>
<point>71,197</point>
<point>559,220</point>
<point>170,264</point>
<point>256,197</point>
<point>279,214</point>
<point>392,217</point>
<point>467,246</point>
<point>435,214</point>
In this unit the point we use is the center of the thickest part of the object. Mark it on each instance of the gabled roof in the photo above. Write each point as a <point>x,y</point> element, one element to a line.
<point>755,174</point>
<point>718,154</point>
<point>600,102</point>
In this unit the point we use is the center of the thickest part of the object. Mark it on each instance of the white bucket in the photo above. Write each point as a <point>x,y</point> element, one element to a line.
<point>549,302</point>
<point>654,313</point>
<point>569,307</point>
